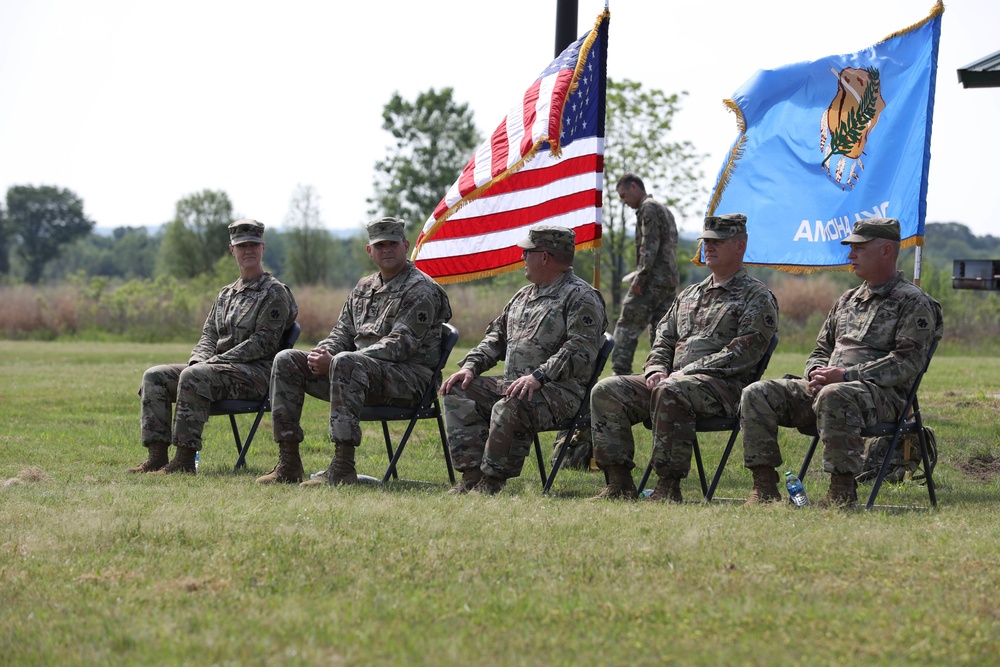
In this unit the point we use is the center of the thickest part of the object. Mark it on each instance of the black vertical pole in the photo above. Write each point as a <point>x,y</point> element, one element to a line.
<point>566,20</point>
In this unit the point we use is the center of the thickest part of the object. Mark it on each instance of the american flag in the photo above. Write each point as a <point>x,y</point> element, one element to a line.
<point>543,165</point>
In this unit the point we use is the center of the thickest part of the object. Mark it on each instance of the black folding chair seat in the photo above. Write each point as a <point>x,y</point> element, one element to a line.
<point>580,420</point>
<point>910,422</point>
<point>716,424</point>
<point>233,407</point>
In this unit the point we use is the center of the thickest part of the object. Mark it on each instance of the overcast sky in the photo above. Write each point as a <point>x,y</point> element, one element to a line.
<point>134,105</point>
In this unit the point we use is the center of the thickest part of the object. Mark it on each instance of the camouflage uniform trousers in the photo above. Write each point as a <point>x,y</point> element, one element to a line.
<point>193,389</point>
<point>639,313</point>
<point>489,431</point>
<point>354,381</point>
<point>839,411</point>
<point>618,402</point>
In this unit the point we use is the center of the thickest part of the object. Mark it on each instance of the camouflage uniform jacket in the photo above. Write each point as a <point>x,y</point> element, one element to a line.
<point>558,328</point>
<point>880,334</point>
<point>246,323</point>
<point>398,321</point>
<point>716,331</point>
<point>655,246</point>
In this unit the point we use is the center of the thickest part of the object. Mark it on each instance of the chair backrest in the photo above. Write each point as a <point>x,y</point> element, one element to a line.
<point>290,337</point>
<point>449,338</point>
<point>911,398</point>
<point>766,359</point>
<point>599,363</point>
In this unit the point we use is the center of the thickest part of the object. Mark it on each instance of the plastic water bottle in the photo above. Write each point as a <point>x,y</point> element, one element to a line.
<point>646,493</point>
<point>197,457</point>
<point>796,491</point>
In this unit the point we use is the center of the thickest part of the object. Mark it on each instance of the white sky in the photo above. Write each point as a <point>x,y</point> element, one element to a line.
<point>133,105</point>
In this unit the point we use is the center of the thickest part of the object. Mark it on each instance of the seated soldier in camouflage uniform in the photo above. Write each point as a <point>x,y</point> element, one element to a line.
<point>706,350</point>
<point>381,352</point>
<point>548,337</point>
<point>872,346</point>
<point>231,361</point>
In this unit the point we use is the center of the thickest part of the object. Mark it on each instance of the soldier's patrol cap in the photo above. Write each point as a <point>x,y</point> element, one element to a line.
<point>386,229</point>
<point>549,237</point>
<point>724,226</point>
<point>873,228</point>
<point>246,231</point>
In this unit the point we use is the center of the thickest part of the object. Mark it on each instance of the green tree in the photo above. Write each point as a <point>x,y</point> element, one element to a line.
<point>198,235</point>
<point>307,242</point>
<point>43,221</point>
<point>435,137</point>
<point>637,139</point>
<point>129,252</point>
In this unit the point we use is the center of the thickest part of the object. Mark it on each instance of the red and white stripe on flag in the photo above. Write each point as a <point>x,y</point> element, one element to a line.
<point>543,165</point>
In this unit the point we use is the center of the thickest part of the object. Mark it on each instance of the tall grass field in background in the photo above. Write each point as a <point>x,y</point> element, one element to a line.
<point>98,567</point>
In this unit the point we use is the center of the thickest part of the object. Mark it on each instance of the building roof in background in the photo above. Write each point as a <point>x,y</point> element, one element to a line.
<point>984,73</point>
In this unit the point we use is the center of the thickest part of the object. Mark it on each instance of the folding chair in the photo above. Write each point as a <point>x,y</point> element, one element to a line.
<point>714,424</point>
<point>909,423</point>
<point>428,408</point>
<point>233,407</point>
<point>579,420</point>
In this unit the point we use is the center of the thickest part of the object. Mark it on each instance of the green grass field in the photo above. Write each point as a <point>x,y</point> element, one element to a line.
<point>100,567</point>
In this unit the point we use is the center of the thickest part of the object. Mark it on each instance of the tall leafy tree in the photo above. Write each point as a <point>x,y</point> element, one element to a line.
<point>435,137</point>
<point>638,138</point>
<point>307,242</point>
<point>198,235</point>
<point>43,221</point>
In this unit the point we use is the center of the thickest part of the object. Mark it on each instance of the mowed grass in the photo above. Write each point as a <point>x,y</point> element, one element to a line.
<point>100,567</point>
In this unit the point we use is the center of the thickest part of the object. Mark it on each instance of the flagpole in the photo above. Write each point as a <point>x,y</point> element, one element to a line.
<point>916,266</point>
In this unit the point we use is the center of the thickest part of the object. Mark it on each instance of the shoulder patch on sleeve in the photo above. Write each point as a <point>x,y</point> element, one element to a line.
<point>923,324</point>
<point>275,314</point>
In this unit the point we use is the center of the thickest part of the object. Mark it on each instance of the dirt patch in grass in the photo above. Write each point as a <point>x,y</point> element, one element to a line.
<point>26,476</point>
<point>984,466</point>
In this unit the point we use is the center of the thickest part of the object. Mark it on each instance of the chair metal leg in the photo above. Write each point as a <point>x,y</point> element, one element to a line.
<point>722,464</point>
<point>883,469</point>
<point>236,433</point>
<point>391,470</point>
<point>541,459</point>
<point>645,475</point>
<point>399,450</point>
<point>701,469</point>
<point>808,459</point>
<point>563,447</point>
<point>444,447</point>
<point>241,461</point>
<point>925,455</point>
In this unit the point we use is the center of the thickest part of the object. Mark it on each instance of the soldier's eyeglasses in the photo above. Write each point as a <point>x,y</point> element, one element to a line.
<point>524,255</point>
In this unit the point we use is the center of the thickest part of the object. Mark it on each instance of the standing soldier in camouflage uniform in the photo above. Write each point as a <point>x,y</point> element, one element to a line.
<point>381,352</point>
<point>655,281</point>
<point>872,346</point>
<point>231,361</point>
<point>548,337</point>
<point>706,350</point>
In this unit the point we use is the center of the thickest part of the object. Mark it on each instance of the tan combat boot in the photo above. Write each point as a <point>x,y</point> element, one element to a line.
<point>488,486</point>
<point>469,480</point>
<point>156,459</point>
<point>289,468</point>
<point>765,487</point>
<point>843,492</point>
<point>183,461</point>
<point>667,488</point>
<point>620,485</point>
<point>341,470</point>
